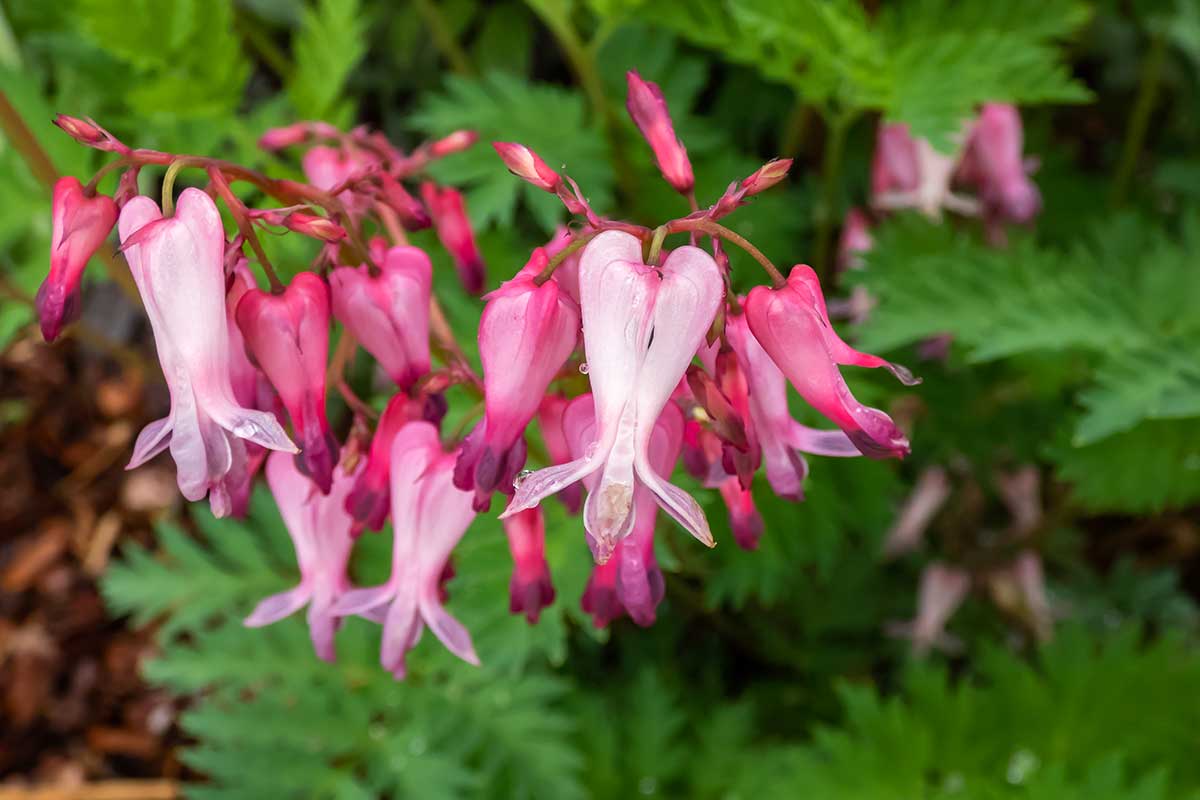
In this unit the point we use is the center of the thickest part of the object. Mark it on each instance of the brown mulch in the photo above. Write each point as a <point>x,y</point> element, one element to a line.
<point>76,719</point>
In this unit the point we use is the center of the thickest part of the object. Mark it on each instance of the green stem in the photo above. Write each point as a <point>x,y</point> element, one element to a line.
<point>444,38</point>
<point>1139,117</point>
<point>835,145</point>
<point>656,243</point>
<point>561,256</point>
<point>168,188</point>
<point>705,225</point>
<point>794,128</point>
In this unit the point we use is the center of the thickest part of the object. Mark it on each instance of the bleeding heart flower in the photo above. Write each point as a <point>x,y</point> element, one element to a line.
<point>320,531</point>
<point>429,517</point>
<point>526,333</point>
<point>388,313</point>
<point>178,265</point>
<point>288,336</point>
<point>81,224</point>
<point>793,327</point>
<point>640,331</point>
<point>530,589</point>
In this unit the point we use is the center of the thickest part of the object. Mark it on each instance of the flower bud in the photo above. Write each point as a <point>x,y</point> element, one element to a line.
<point>455,142</point>
<point>528,166</point>
<point>454,230</point>
<point>649,112</point>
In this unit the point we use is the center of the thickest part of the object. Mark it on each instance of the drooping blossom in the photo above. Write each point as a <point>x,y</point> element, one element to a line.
<point>641,327</point>
<point>177,263</point>
<point>630,580</point>
<point>412,214</point>
<point>993,162</point>
<point>782,438</point>
<point>907,172</point>
<point>288,336</point>
<point>80,225</point>
<point>855,240</point>
<point>793,327</point>
<point>942,590</point>
<point>530,589</point>
<point>369,501</point>
<point>550,423</point>
<point>429,516</point>
<point>388,313</point>
<point>648,109</point>
<point>744,519</point>
<point>526,333</point>
<point>927,498</point>
<point>320,531</point>
<point>250,387</point>
<point>328,168</point>
<point>454,231</point>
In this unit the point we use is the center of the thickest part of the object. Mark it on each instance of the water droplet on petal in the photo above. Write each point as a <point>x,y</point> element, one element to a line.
<point>583,368</point>
<point>246,429</point>
<point>520,478</point>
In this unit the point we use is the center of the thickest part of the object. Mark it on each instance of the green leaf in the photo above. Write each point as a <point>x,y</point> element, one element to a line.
<point>502,107</point>
<point>327,47</point>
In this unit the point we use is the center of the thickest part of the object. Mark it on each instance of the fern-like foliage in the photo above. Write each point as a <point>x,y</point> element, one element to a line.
<point>328,45</point>
<point>928,63</point>
<point>1114,311</point>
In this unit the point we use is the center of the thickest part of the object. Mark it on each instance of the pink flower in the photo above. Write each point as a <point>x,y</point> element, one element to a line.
<point>856,239</point>
<point>288,336</point>
<point>648,109</point>
<point>296,133</point>
<point>81,224</point>
<point>782,439</point>
<point>927,498</point>
<point>454,230</point>
<point>943,589</point>
<point>250,387</point>
<point>528,166</point>
<point>744,519</point>
<point>530,589</point>
<point>994,163</point>
<point>641,327</point>
<point>793,327</point>
<point>320,531</point>
<point>413,216</point>
<point>177,264</point>
<point>388,313</point>
<point>327,168</point>
<point>368,502</point>
<point>631,581</point>
<point>550,422</point>
<point>429,517</point>
<point>526,333</point>
<point>909,173</point>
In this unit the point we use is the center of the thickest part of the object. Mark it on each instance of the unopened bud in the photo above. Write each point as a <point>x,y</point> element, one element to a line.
<point>315,226</point>
<point>767,175</point>
<point>527,165</point>
<point>89,133</point>
<point>413,216</point>
<point>454,143</point>
<point>649,111</point>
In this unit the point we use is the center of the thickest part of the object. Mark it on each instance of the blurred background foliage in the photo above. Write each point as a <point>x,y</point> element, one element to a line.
<point>1074,349</point>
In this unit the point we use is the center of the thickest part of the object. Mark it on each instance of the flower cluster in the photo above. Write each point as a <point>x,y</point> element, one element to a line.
<point>678,367</point>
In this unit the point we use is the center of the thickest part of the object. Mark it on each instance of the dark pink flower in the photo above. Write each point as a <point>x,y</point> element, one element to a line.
<point>633,375</point>
<point>328,168</point>
<point>744,519</point>
<point>368,502</point>
<point>429,517</point>
<point>994,163</point>
<point>648,109</point>
<point>178,265</point>
<point>250,386</point>
<point>454,230</point>
<point>530,589</point>
<point>320,531</point>
<point>388,313</point>
<point>80,226</point>
<point>413,216</point>
<point>550,422</point>
<point>783,440</point>
<point>526,333</point>
<point>288,336</point>
<point>793,327</point>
